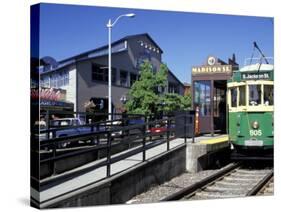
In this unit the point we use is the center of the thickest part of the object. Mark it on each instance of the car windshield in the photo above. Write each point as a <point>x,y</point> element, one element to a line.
<point>40,125</point>
<point>59,123</point>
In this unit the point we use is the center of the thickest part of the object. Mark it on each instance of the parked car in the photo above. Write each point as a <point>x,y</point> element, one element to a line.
<point>63,128</point>
<point>39,126</point>
<point>135,121</point>
<point>112,125</point>
<point>160,128</point>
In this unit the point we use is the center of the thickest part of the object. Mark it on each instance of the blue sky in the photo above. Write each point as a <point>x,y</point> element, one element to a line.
<point>186,39</point>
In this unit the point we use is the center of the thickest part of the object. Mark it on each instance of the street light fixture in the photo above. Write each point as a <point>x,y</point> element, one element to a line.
<point>109,26</point>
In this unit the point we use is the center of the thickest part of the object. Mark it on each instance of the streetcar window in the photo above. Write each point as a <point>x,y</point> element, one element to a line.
<point>268,94</point>
<point>254,95</point>
<point>233,93</point>
<point>242,95</point>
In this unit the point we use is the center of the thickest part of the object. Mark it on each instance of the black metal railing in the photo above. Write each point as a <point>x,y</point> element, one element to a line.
<point>107,135</point>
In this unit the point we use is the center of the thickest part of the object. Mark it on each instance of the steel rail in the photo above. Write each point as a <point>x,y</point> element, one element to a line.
<point>260,185</point>
<point>194,187</point>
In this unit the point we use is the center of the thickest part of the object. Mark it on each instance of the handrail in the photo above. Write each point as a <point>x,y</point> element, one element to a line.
<point>90,113</point>
<point>143,136</point>
<point>111,130</point>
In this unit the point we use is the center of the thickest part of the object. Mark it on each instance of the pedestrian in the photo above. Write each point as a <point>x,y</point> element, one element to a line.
<point>54,117</point>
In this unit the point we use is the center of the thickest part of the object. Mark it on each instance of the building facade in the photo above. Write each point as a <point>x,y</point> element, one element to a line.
<point>85,76</point>
<point>187,88</point>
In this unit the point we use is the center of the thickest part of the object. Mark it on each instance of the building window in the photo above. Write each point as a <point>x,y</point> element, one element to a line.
<point>133,78</point>
<point>202,97</point>
<point>113,75</point>
<point>66,78</point>
<point>100,73</point>
<point>45,82</point>
<point>97,73</point>
<point>173,88</point>
<point>123,78</point>
<point>144,56</point>
<point>59,82</point>
<point>55,80</point>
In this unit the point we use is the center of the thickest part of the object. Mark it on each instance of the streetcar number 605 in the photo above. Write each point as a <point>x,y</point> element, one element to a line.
<point>255,132</point>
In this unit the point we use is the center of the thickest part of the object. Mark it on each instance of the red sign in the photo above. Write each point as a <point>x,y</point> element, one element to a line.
<point>53,94</point>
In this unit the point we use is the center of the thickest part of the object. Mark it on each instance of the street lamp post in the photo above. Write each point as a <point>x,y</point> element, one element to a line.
<point>109,26</point>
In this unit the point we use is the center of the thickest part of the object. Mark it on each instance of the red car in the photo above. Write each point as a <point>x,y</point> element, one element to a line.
<point>158,129</point>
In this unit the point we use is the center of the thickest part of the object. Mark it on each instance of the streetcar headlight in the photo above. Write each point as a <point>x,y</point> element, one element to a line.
<point>255,125</point>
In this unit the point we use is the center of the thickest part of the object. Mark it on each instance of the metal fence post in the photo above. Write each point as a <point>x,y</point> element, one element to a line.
<point>98,136</point>
<point>149,126</point>
<point>185,129</point>
<point>144,139</point>
<point>54,154</point>
<point>193,127</point>
<point>123,125</point>
<point>92,130</point>
<point>47,124</point>
<point>108,154</point>
<point>227,119</point>
<point>168,134</point>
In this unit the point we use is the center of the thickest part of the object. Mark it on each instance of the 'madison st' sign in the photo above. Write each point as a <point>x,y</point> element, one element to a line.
<point>212,67</point>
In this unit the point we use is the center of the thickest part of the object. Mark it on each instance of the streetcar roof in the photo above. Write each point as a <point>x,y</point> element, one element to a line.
<point>255,67</point>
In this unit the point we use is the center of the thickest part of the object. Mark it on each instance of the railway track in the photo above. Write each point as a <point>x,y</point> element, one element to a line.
<point>267,189</point>
<point>232,181</point>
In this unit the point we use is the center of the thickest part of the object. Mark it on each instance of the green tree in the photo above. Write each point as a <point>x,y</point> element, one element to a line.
<point>187,101</point>
<point>147,96</point>
<point>142,96</point>
<point>170,102</point>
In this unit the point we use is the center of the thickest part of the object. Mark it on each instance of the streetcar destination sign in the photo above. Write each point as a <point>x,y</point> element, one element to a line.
<point>255,76</point>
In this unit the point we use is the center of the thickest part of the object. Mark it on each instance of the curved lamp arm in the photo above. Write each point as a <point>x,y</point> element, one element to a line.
<point>110,25</point>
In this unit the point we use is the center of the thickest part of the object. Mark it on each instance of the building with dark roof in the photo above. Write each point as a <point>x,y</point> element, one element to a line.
<point>85,76</point>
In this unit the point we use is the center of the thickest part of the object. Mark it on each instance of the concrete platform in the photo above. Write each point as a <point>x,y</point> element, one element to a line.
<point>206,151</point>
<point>100,173</point>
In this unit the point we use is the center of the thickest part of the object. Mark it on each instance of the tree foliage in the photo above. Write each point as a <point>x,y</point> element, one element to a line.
<point>146,96</point>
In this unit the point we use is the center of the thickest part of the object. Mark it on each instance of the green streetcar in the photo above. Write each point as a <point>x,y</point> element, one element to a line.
<point>250,114</point>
